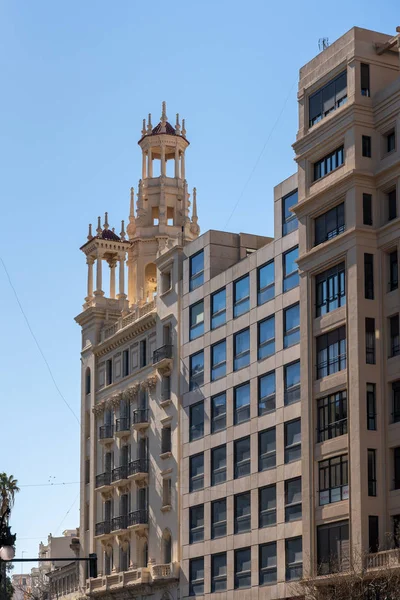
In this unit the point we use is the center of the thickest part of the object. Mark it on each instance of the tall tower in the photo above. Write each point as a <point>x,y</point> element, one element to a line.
<point>162,207</point>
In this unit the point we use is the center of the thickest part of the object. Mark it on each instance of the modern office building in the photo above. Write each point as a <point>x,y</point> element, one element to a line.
<point>241,403</point>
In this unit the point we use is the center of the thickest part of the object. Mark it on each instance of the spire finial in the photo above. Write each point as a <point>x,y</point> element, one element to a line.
<point>164,117</point>
<point>194,209</point>
<point>90,236</point>
<point>183,128</point>
<point>105,220</point>
<point>144,127</point>
<point>177,125</point>
<point>99,229</point>
<point>132,205</point>
<point>131,228</point>
<point>122,233</point>
<point>149,125</point>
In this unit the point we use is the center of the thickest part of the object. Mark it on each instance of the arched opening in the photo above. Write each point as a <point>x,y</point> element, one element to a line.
<point>87,381</point>
<point>143,557</point>
<point>150,277</point>
<point>167,547</point>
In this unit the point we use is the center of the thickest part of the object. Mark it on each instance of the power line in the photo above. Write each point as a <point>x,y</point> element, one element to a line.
<point>37,343</point>
<point>260,155</point>
<point>47,484</point>
<point>66,514</point>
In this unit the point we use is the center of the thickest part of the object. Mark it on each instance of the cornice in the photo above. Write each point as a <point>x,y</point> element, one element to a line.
<point>96,312</point>
<point>124,335</point>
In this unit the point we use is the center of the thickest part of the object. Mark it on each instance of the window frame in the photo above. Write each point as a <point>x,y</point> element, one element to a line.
<point>196,330</point>
<point>199,477</point>
<point>245,518</point>
<point>291,394</point>
<point>246,408</point>
<point>394,333</point>
<point>244,353</point>
<point>199,528</point>
<point>330,289</point>
<point>245,573</point>
<point>340,222</point>
<point>191,427</point>
<point>269,455</point>
<point>265,572</point>
<point>325,425</point>
<point>294,332</point>
<point>268,290</point>
<point>370,341</point>
<point>334,356</point>
<point>194,378</point>
<point>265,513</point>
<point>367,209</point>
<point>371,406</point>
<point>365,80</point>
<point>292,507</point>
<point>220,366</point>
<point>372,478</point>
<point>220,578</point>
<point>293,276</point>
<point>198,275</point>
<point>393,270</point>
<point>221,523</point>
<point>328,164</point>
<point>339,100</point>
<point>289,223</point>
<point>289,448</point>
<point>219,416</point>
<point>366,146</point>
<point>368,276</point>
<point>198,581</point>
<point>268,400</point>
<point>218,475</point>
<point>246,462</point>
<point>245,300</point>
<point>215,315</point>
<point>331,471</point>
<point>269,343</point>
<point>295,566</point>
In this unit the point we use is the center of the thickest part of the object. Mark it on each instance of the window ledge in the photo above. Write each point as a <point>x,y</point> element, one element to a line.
<point>166,292</point>
<point>166,508</point>
<point>165,403</point>
<point>165,455</point>
<point>325,176</point>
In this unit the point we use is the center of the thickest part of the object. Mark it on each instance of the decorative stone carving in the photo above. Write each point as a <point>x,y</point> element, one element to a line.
<point>150,383</point>
<point>98,409</point>
<point>130,393</point>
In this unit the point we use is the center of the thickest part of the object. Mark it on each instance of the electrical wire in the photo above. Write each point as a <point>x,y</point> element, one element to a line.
<point>260,155</point>
<point>47,484</point>
<point>66,514</point>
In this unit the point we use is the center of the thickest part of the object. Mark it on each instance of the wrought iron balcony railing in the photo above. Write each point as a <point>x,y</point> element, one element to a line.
<point>161,353</point>
<point>103,479</point>
<point>141,465</point>
<point>106,432</point>
<point>139,517</point>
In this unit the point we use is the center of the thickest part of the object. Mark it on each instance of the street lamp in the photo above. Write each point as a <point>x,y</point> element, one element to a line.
<point>7,539</point>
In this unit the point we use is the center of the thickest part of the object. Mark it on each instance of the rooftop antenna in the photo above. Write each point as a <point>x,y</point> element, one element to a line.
<point>323,43</point>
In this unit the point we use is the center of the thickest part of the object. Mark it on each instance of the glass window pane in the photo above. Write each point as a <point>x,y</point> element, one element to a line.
<point>196,421</point>
<point>218,360</point>
<point>266,278</point>
<point>218,413</point>
<point>242,403</point>
<point>241,295</point>
<point>196,320</point>
<point>266,393</point>
<point>218,309</point>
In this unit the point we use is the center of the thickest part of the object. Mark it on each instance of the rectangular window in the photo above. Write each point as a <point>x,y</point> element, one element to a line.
<point>218,309</point>
<point>333,480</point>
<point>242,457</point>
<point>266,283</point>
<point>218,465</point>
<point>329,163</point>
<point>218,572</point>
<point>165,388</point>
<point>289,219</point>
<point>218,518</point>
<point>266,393</point>
<point>166,440</point>
<point>242,513</point>
<point>196,421</point>
<point>290,270</point>
<point>371,406</point>
<point>291,381</point>
<point>332,416</point>
<point>366,146</point>
<point>365,80</point>
<point>218,413</point>
<point>242,568</point>
<point>241,349</point>
<point>267,506</point>
<point>328,98</point>
<point>373,533</point>
<point>267,449</point>
<point>396,465</point>
<point>330,289</point>
<point>369,276</point>
<point>291,325</point>
<point>331,352</point>
<point>196,576</point>
<point>241,395</point>
<point>333,547</point>
<point>266,337</point>
<point>370,341</point>
<point>329,225</point>
<point>371,472</point>
<point>390,141</point>
<point>196,372</point>
<point>125,363</point>
<point>367,209</point>
<point>393,271</point>
<point>109,372</point>
<point>241,296</point>
<point>196,328</point>
<point>394,336</point>
<point>267,564</point>
<point>196,472</point>
<point>143,353</point>
<point>293,499</point>
<point>196,520</point>
<point>294,559</point>
<point>218,360</point>
<point>392,208</point>
<point>196,268</point>
<point>292,440</point>
<point>396,401</point>
<point>166,493</point>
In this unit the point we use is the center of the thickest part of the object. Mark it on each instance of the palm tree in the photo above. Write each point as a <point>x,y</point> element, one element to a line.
<point>8,489</point>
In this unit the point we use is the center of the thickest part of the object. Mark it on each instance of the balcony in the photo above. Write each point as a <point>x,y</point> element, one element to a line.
<point>139,469</point>
<point>120,475</point>
<point>164,572</point>
<point>103,481</point>
<point>122,427</point>
<point>129,578</point>
<point>140,419</point>
<point>106,434</point>
<point>102,528</point>
<point>138,520</point>
<point>119,523</point>
<point>383,560</point>
<point>162,358</point>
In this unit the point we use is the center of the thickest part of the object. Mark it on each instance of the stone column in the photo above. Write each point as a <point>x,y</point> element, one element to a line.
<point>149,163</point>
<point>162,159</point>
<point>144,165</point>
<point>176,162</point>
<point>112,264</point>
<point>183,165</point>
<point>90,262</point>
<point>99,291</point>
<point>122,277</point>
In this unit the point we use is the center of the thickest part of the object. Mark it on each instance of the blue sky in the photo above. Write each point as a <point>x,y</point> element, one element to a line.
<point>77,80</point>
